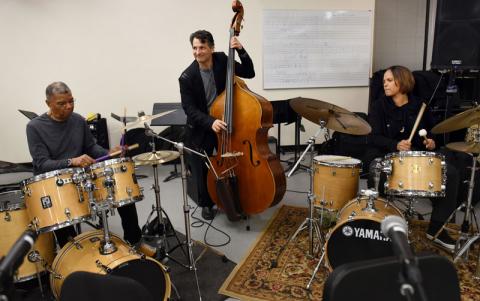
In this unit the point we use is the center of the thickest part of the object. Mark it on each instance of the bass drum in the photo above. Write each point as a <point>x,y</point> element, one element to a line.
<point>83,254</point>
<point>357,234</point>
<point>14,221</point>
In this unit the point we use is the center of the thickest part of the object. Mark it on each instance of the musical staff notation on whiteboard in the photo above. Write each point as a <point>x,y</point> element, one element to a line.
<point>321,48</point>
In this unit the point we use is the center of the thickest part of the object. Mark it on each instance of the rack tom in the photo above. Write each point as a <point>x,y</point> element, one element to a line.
<point>115,178</point>
<point>415,174</point>
<point>335,180</point>
<point>14,221</point>
<point>56,199</point>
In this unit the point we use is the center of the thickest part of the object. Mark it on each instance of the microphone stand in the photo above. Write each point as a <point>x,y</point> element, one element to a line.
<point>186,207</point>
<point>410,274</point>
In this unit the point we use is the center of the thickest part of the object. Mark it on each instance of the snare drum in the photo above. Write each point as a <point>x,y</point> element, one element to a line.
<point>357,234</point>
<point>14,221</point>
<point>335,180</point>
<point>119,176</point>
<point>83,255</point>
<point>415,173</point>
<point>56,199</point>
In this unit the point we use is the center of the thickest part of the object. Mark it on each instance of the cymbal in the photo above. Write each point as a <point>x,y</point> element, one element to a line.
<point>459,121</point>
<point>335,117</point>
<point>145,118</point>
<point>157,157</point>
<point>466,147</point>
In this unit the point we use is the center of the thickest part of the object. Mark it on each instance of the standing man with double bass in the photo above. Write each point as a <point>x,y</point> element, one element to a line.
<point>200,84</point>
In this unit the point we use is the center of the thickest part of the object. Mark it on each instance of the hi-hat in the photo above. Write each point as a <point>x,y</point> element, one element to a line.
<point>459,121</point>
<point>154,158</point>
<point>335,117</point>
<point>466,147</point>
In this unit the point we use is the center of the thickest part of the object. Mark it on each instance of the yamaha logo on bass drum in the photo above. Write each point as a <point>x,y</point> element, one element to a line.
<point>373,234</point>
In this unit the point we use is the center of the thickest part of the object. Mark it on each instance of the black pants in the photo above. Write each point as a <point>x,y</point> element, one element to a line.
<point>197,181</point>
<point>131,231</point>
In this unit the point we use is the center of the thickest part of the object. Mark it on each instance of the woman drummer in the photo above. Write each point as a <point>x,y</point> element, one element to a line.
<point>392,118</point>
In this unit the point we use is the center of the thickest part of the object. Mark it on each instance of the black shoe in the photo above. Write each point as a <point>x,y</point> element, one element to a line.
<point>443,239</point>
<point>208,213</point>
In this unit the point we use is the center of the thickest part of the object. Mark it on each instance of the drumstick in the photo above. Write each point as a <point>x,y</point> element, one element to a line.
<point>116,153</point>
<point>419,116</point>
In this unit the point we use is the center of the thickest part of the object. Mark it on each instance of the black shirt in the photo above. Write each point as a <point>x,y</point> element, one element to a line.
<point>391,124</point>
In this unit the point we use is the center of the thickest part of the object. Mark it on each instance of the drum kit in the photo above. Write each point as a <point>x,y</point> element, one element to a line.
<point>66,197</point>
<point>334,181</point>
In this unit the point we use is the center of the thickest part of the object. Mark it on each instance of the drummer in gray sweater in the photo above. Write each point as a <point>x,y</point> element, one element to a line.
<point>60,139</point>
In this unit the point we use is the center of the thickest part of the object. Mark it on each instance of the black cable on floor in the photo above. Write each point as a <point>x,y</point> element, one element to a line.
<point>198,223</point>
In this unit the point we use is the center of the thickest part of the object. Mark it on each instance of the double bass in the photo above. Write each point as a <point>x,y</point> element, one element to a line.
<point>245,176</point>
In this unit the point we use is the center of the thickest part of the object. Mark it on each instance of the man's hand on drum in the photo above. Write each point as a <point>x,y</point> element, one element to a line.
<point>404,145</point>
<point>82,161</point>
<point>429,144</point>
<point>219,125</point>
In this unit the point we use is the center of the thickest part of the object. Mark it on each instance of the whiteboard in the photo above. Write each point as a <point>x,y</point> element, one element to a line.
<point>320,48</point>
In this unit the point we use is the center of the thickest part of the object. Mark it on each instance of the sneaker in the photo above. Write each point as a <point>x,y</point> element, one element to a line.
<point>443,239</point>
<point>208,213</point>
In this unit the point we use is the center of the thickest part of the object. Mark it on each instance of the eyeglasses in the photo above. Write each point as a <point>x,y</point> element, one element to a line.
<point>64,103</point>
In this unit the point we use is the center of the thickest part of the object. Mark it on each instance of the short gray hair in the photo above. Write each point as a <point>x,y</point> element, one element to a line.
<point>57,88</point>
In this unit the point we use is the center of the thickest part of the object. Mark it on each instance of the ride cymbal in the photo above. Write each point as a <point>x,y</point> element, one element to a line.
<point>459,121</point>
<point>154,158</point>
<point>466,147</point>
<point>336,118</point>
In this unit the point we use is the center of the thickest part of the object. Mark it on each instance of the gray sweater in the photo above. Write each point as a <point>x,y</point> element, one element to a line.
<point>52,142</point>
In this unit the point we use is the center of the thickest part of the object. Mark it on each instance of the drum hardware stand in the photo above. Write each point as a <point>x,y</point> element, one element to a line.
<point>186,207</point>
<point>35,257</point>
<point>107,246</point>
<point>309,223</point>
<point>157,207</point>
<point>466,239</point>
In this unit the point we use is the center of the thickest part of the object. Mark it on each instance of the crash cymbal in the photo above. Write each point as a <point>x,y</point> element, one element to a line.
<point>335,117</point>
<point>157,157</point>
<point>466,147</point>
<point>139,121</point>
<point>459,121</point>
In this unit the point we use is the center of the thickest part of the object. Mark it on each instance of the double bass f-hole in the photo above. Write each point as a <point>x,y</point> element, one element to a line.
<point>257,162</point>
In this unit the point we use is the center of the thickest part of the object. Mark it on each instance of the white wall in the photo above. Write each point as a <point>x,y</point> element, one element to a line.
<point>117,53</point>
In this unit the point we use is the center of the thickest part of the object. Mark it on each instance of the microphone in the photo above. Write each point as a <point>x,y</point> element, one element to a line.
<point>15,255</point>
<point>395,228</point>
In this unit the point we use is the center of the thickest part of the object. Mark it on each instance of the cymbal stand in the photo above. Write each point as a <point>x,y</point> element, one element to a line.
<point>186,207</point>
<point>160,238</point>
<point>466,239</point>
<point>310,223</point>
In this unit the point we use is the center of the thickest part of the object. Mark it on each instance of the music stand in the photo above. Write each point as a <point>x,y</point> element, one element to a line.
<point>283,113</point>
<point>175,118</point>
<point>30,115</point>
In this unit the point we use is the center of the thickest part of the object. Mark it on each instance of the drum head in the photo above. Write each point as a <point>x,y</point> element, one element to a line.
<point>333,160</point>
<point>146,272</point>
<point>356,240</point>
